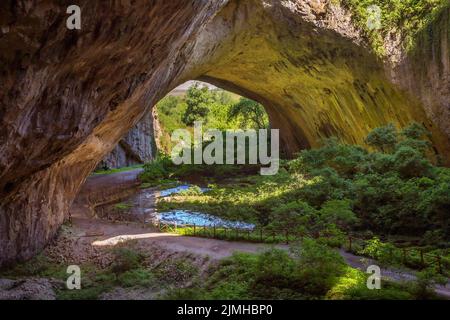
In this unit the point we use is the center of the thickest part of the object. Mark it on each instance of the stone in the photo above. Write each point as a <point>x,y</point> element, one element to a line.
<point>27,289</point>
<point>137,147</point>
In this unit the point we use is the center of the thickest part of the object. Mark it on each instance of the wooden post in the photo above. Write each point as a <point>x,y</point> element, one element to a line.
<point>214,228</point>
<point>349,243</point>
<point>194,229</point>
<point>287,237</point>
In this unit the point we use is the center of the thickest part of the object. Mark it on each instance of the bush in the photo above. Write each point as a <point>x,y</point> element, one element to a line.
<point>318,267</point>
<point>383,138</point>
<point>125,260</point>
<point>178,271</point>
<point>352,285</point>
<point>422,288</point>
<point>90,293</point>
<point>385,253</point>
<point>136,277</point>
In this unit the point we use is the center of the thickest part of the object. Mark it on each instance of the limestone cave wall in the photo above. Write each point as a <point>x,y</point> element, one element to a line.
<point>67,97</point>
<point>137,147</point>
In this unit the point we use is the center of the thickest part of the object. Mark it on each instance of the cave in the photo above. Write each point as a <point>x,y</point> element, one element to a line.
<point>67,97</point>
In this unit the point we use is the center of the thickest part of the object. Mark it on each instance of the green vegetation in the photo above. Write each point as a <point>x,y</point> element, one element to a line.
<point>123,206</point>
<point>249,113</point>
<point>130,269</point>
<point>406,17</point>
<point>217,109</point>
<point>392,191</point>
<point>163,173</point>
<point>116,170</point>
<point>311,271</point>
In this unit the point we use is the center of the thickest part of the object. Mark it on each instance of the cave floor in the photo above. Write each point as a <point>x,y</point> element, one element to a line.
<point>88,240</point>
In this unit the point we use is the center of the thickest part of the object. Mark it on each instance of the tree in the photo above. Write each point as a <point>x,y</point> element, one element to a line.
<point>251,114</point>
<point>198,100</point>
<point>291,218</point>
<point>383,138</point>
<point>318,266</point>
<point>338,212</point>
<point>168,104</point>
<point>415,131</point>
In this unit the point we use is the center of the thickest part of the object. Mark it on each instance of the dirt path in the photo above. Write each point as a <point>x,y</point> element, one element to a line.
<point>100,233</point>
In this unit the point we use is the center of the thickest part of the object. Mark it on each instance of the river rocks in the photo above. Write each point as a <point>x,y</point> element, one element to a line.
<point>69,96</point>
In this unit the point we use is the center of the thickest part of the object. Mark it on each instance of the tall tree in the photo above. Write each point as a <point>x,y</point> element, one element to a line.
<point>250,113</point>
<point>198,100</point>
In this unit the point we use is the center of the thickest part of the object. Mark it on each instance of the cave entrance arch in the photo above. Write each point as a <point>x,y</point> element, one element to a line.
<point>275,121</point>
<point>67,97</point>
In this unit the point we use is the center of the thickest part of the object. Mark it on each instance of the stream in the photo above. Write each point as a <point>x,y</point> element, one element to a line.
<point>141,207</point>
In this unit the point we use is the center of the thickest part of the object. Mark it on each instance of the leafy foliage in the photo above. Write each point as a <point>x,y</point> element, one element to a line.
<point>217,109</point>
<point>197,102</point>
<point>312,271</point>
<point>406,17</point>
<point>250,113</point>
<point>341,188</point>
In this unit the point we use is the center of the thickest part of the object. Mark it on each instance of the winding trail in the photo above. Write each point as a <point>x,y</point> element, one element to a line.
<point>97,232</point>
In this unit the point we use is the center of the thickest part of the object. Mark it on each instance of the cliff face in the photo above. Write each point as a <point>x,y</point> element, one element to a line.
<point>425,71</point>
<point>312,70</point>
<point>137,147</point>
<point>68,96</point>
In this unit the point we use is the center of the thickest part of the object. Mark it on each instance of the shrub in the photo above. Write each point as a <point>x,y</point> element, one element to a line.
<point>176,271</point>
<point>318,267</point>
<point>422,288</point>
<point>383,138</point>
<point>382,252</point>
<point>136,277</point>
<point>352,285</point>
<point>156,170</point>
<point>338,212</point>
<point>125,260</point>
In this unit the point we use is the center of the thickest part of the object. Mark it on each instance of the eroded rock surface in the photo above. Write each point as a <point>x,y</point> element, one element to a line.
<point>68,96</point>
<point>137,147</point>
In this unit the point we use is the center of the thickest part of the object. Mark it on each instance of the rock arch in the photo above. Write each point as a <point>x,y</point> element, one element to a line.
<point>67,97</point>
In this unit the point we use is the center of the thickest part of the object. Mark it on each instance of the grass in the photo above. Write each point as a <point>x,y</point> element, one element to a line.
<point>351,285</point>
<point>117,170</point>
<point>241,199</point>
<point>231,234</point>
<point>123,206</point>
<point>39,266</point>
